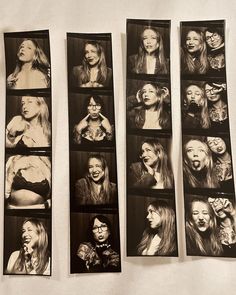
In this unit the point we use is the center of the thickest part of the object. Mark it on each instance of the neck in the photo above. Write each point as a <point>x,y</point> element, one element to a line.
<point>224,157</point>
<point>26,66</point>
<point>34,121</point>
<point>219,103</point>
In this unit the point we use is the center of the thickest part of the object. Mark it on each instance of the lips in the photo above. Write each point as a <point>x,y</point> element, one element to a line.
<point>196,164</point>
<point>219,149</point>
<point>190,46</point>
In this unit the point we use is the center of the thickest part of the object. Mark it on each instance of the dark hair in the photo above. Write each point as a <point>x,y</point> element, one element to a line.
<point>219,31</point>
<point>102,219</point>
<point>96,98</point>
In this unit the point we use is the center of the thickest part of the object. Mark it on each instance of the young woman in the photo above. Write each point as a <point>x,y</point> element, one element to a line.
<point>217,106</point>
<point>194,53</point>
<point>32,128</point>
<point>97,254</point>
<point>154,169</point>
<point>94,71</point>
<point>150,58</point>
<point>195,112</point>
<point>159,238</point>
<point>95,188</point>
<point>201,230</point>
<point>33,257</point>
<point>150,108</point>
<point>28,182</point>
<point>94,127</point>
<point>32,67</point>
<point>222,162</point>
<point>198,165</point>
<point>225,213</point>
<point>216,49</point>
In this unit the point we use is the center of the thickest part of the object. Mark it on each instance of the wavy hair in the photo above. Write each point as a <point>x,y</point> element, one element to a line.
<point>208,177</point>
<point>163,163</point>
<point>166,231</point>
<point>198,243</point>
<point>204,116</point>
<point>41,249</point>
<point>40,61</point>
<point>102,66</point>
<point>163,115</point>
<point>187,58</point>
<point>159,53</point>
<point>106,184</point>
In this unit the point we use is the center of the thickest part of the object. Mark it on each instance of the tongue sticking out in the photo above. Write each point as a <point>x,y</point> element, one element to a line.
<point>196,164</point>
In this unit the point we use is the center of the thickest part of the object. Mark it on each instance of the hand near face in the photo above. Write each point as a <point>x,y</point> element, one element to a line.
<point>150,170</point>
<point>228,207</point>
<point>106,124</point>
<point>11,81</point>
<point>221,87</point>
<point>16,126</point>
<point>166,94</point>
<point>82,124</point>
<point>139,95</point>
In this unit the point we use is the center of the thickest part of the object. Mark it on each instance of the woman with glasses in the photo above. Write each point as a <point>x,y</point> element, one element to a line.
<point>97,254</point>
<point>216,49</point>
<point>159,237</point>
<point>217,106</point>
<point>150,58</point>
<point>94,71</point>
<point>94,127</point>
<point>222,162</point>
<point>95,187</point>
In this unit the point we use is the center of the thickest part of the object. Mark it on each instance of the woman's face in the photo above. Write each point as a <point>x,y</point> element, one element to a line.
<point>212,93</point>
<point>29,107</point>
<point>91,55</point>
<point>94,109</point>
<point>150,40</point>
<point>101,231</point>
<point>149,95</point>
<point>95,169</point>
<point>196,152</point>
<point>153,217</point>
<point>193,42</point>
<point>26,52</point>
<point>148,155</point>
<point>29,234</point>
<point>213,40</point>
<point>216,145</point>
<point>194,95</point>
<point>200,215</point>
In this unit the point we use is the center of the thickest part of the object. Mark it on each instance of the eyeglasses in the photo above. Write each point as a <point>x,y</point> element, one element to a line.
<point>96,106</point>
<point>213,36</point>
<point>103,227</point>
<point>212,90</point>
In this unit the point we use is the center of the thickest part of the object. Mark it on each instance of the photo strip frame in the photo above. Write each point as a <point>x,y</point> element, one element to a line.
<point>210,212</point>
<point>94,211</point>
<point>28,155</point>
<point>151,213</point>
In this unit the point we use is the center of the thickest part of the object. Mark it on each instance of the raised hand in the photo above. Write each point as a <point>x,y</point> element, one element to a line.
<point>106,124</point>
<point>82,124</point>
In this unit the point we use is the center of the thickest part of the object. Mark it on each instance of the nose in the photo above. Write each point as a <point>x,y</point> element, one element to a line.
<point>200,217</point>
<point>99,230</point>
<point>149,215</point>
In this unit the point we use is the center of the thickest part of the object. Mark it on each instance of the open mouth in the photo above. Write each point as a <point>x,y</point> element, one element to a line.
<point>190,47</point>
<point>219,149</point>
<point>196,164</point>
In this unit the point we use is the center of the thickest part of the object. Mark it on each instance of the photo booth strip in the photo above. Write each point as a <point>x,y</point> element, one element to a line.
<point>207,160</point>
<point>28,155</point>
<point>94,212</point>
<point>151,213</point>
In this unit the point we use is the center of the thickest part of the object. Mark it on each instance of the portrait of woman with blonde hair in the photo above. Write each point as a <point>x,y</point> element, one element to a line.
<point>32,127</point>
<point>150,58</point>
<point>194,53</point>
<point>32,68</point>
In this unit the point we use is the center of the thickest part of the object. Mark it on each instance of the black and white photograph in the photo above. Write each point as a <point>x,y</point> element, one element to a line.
<point>27,60</point>
<point>203,48</point>
<point>148,105</point>
<point>204,105</point>
<point>95,243</point>
<point>148,47</point>
<point>28,182</point>
<point>90,60</point>
<point>151,226</point>
<point>210,225</point>
<point>207,162</point>
<point>92,119</point>
<point>149,163</point>
<point>27,250</point>
<point>95,183</point>
<point>28,122</point>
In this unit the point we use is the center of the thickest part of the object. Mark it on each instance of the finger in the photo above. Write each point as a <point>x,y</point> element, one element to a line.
<point>85,118</point>
<point>102,116</point>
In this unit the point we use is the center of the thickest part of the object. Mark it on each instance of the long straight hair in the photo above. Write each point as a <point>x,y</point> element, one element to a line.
<point>187,57</point>
<point>163,163</point>
<point>166,231</point>
<point>102,66</point>
<point>106,184</point>
<point>159,53</point>
<point>197,243</point>
<point>41,249</point>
